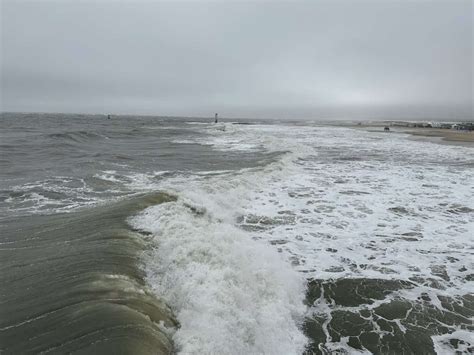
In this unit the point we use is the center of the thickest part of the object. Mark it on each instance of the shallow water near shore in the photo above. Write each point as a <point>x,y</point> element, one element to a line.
<point>158,235</point>
<point>71,284</point>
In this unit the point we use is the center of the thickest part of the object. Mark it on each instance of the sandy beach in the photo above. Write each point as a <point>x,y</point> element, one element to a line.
<point>439,135</point>
<point>446,134</point>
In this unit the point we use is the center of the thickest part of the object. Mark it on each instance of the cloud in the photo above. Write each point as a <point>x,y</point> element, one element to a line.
<point>301,59</point>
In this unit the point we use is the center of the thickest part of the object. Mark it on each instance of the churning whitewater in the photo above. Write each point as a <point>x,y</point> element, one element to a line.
<point>278,238</point>
<point>337,204</point>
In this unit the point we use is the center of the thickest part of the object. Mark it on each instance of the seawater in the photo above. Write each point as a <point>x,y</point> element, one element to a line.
<point>268,238</point>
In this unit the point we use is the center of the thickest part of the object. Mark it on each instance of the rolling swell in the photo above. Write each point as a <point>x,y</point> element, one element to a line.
<point>76,136</point>
<point>71,283</point>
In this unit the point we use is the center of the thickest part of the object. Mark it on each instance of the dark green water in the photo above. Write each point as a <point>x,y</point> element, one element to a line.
<point>71,267</point>
<point>396,327</point>
<point>274,238</point>
<point>74,284</point>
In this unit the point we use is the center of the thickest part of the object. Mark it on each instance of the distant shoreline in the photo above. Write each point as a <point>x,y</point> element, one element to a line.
<point>437,135</point>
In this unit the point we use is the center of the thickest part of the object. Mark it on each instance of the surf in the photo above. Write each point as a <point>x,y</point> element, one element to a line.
<point>75,283</point>
<point>230,293</point>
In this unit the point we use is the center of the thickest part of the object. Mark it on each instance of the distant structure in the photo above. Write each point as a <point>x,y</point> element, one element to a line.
<point>464,126</point>
<point>459,126</point>
<point>108,117</point>
<point>215,118</point>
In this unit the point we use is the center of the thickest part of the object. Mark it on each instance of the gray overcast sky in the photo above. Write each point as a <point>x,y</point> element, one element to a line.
<point>283,59</point>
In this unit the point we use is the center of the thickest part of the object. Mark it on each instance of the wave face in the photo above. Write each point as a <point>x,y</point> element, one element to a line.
<point>231,294</point>
<point>282,237</point>
<point>70,283</point>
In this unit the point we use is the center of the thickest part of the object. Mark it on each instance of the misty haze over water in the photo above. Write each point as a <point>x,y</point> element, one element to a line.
<point>304,59</point>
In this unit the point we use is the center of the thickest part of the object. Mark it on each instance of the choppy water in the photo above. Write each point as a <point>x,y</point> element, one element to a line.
<point>154,235</point>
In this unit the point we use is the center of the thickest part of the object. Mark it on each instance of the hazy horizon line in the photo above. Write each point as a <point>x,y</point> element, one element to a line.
<point>211,116</point>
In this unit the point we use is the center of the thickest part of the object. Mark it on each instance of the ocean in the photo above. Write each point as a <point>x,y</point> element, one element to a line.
<point>160,235</point>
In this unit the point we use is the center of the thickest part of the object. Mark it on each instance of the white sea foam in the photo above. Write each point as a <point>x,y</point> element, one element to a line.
<point>231,294</point>
<point>52,195</point>
<point>109,175</point>
<point>188,141</point>
<point>224,136</point>
<point>339,203</point>
<point>443,346</point>
<point>388,216</point>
